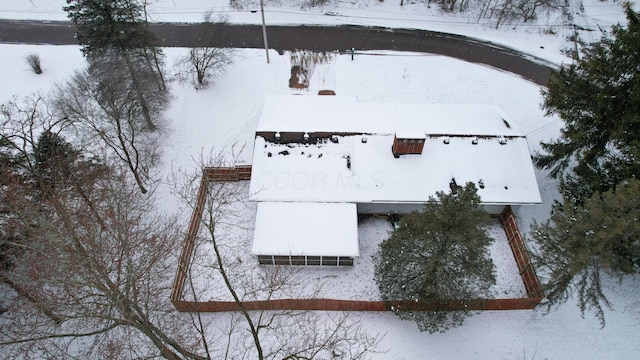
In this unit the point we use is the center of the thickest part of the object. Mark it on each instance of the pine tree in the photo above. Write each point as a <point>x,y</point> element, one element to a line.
<point>437,255</point>
<point>598,98</point>
<point>54,161</point>
<point>593,230</point>
<point>582,242</point>
<point>108,24</point>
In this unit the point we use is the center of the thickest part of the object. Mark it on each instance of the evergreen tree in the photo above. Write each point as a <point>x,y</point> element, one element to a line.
<point>9,178</point>
<point>10,160</point>
<point>594,229</point>
<point>581,242</point>
<point>107,24</point>
<point>54,161</point>
<point>437,255</point>
<point>598,98</point>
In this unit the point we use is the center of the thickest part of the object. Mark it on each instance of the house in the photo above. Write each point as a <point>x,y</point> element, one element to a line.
<point>319,161</point>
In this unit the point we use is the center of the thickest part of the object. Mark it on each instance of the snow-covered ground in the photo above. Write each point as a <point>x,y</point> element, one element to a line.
<point>207,121</point>
<point>346,283</point>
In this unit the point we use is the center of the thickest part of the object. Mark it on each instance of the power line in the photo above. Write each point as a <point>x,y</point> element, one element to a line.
<point>543,127</point>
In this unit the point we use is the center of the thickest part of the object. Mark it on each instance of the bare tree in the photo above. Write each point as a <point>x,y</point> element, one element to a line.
<point>120,27</point>
<point>35,162</point>
<point>283,334</point>
<point>21,122</point>
<point>530,9</point>
<point>80,249</point>
<point>316,3</point>
<point>105,108</point>
<point>153,54</point>
<point>513,11</point>
<point>154,58</point>
<point>209,59</point>
<point>104,272</point>
<point>137,70</point>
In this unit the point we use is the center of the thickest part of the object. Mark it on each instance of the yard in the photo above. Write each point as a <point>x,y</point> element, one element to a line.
<point>234,233</point>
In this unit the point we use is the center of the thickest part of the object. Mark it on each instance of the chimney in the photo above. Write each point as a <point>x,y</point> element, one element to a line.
<point>405,143</point>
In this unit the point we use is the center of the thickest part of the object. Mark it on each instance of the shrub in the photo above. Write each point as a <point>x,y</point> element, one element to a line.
<point>34,62</point>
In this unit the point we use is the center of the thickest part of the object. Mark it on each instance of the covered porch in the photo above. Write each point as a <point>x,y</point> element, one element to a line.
<point>305,233</point>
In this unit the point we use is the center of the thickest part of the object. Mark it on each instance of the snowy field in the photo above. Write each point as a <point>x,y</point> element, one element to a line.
<point>200,122</point>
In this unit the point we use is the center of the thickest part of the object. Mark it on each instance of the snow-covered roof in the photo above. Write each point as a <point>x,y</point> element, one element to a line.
<point>321,173</point>
<point>485,151</point>
<point>346,115</point>
<point>416,134</point>
<point>318,229</point>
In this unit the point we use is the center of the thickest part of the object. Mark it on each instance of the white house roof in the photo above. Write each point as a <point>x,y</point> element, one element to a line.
<point>353,170</point>
<point>320,172</point>
<point>347,115</point>
<point>318,229</point>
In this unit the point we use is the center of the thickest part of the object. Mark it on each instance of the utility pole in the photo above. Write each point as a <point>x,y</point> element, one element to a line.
<point>264,30</point>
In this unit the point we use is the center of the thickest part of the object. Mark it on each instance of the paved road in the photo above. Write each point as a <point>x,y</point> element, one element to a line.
<point>319,38</point>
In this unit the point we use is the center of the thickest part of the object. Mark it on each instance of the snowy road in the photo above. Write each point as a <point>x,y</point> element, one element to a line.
<point>318,38</point>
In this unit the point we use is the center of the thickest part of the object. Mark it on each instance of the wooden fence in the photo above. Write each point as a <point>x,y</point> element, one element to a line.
<point>357,305</point>
<point>521,254</point>
<point>507,218</point>
<point>222,174</point>
<point>189,243</point>
<point>237,173</point>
